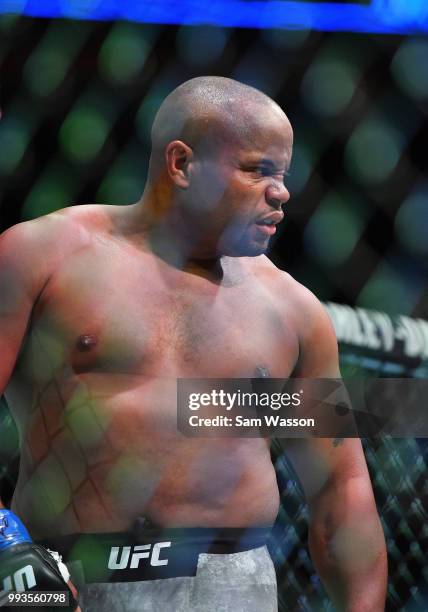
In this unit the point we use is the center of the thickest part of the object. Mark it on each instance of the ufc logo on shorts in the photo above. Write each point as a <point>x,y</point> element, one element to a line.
<point>121,555</point>
<point>22,580</point>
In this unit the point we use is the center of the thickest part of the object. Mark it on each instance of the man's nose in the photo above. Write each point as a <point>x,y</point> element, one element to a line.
<point>277,195</point>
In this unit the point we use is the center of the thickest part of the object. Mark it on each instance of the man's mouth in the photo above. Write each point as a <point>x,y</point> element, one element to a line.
<point>268,229</point>
<point>267,224</point>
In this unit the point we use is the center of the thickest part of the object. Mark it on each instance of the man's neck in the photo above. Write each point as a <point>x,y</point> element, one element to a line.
<point>173,239</point>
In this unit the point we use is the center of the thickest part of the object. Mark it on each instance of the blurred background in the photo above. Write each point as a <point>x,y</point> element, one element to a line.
<point>78,98</point>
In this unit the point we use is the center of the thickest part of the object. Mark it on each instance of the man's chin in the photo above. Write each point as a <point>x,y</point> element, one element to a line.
<point>247,249</point>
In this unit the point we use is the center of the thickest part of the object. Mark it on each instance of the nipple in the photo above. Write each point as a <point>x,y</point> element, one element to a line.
<point>86,342</point>
<point>262,372</point>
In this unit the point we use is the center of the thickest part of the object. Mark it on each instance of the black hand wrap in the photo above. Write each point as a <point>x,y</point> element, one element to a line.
<point>41,574</point>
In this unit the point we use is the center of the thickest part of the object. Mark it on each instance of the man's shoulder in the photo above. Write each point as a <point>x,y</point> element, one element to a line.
<point>284,284</point>
<point>80,219</point>
<point>57,230</point>
<point>300,305</point>
<point>32,250</point>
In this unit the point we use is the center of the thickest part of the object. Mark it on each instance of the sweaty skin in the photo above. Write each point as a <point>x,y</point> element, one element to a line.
<point>104,307</point>
<point>128,303</point>
<point>94,389</point>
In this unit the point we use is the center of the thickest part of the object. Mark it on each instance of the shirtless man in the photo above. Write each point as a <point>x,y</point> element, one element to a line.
<point>104,307</point>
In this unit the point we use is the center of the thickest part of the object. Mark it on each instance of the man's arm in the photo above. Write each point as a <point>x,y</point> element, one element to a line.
<point>23,274</point>
<point>346,540</point>
<point>21,279</point>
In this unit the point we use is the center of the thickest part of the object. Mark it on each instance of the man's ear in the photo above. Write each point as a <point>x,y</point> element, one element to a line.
<point>178,158</point>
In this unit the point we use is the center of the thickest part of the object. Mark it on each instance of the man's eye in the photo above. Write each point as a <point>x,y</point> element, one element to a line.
<point>268,171</point>
<point>263,171</point>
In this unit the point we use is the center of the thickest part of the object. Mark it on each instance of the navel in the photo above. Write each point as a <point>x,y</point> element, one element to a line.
<point>86,342</point>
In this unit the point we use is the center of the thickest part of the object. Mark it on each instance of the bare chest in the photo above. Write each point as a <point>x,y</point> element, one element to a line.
<point>99,318</point>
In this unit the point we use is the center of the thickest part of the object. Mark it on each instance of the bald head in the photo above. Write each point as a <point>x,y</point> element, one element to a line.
<point>221,150</point>
<point>209,108</point>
